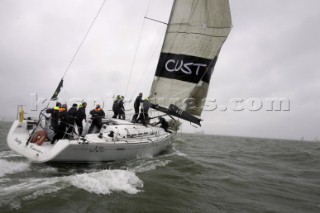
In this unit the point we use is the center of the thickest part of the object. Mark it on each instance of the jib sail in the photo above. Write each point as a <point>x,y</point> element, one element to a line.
<point>196,32</point>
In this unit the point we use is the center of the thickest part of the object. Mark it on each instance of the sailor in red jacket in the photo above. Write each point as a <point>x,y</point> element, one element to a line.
<point>96,115</point>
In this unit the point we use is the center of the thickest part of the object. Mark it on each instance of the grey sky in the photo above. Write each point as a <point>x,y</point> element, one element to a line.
<point>272,52</point>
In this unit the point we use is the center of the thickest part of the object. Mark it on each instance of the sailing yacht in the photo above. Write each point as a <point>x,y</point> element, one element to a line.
<point>195,34</point>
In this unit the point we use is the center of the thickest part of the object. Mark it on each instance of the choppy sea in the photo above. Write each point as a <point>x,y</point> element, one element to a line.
<point>203,173</point>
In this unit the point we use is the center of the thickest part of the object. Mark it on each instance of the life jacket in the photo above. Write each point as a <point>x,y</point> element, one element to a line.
<point>62,109</point>
<point>97,114</point>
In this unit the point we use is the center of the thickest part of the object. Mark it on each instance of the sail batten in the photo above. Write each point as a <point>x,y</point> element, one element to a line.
<point>196,32</point>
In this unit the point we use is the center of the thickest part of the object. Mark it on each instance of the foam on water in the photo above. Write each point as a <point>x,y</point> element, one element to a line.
<point>11,167</point>
<point>178,152</point>
<point>8,154</point>
<point>47,170</point>
<point>150,165</point>
<point>107,181</point>
<point>100,182</point>
<point>42,192</point>
<point>28,189</point>
<point>29,186</point>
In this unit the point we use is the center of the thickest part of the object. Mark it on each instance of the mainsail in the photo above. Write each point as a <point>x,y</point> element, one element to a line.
<point>196,32</point>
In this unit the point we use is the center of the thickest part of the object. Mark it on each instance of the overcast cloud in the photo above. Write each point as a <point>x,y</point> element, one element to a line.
<point>272,52</point>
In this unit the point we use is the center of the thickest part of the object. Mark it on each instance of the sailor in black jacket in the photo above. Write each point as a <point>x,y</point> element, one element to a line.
<point>136,106</point>
<point>72,112</point>
<point>144,116</point>
<point>54,116</point>
<point>122,114</point>
<point>80,116</point>
<point>115,107</point>
<point>62,123</point>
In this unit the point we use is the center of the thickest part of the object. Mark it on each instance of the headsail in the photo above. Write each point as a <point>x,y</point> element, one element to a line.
<point>196,32</point>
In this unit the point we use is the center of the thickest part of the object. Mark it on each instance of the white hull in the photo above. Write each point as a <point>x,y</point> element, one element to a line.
<point>125,145</point>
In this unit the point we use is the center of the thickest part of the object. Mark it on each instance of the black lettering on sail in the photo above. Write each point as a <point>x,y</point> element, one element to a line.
<point>185,68</point>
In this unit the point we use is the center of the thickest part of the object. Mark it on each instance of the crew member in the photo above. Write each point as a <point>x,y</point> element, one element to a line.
<point>72,112</point>
<point>62,123</point>
<point>115,107</point>
<point>122,114</point>
<point>80,116</point>
<point>163,124</point>
<point>54,116</point>
<point>136,106</point>
<point>144,116</point>
<point>97,115</point>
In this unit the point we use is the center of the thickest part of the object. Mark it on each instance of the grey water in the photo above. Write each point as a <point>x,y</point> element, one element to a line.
<point>202,173</point>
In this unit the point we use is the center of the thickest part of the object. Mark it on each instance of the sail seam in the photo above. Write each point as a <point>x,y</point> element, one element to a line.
<point>190,25</point>
<point>198,34</point>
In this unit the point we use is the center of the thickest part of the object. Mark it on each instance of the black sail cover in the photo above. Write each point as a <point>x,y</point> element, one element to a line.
<point>196,32</point>
<point>173,110</point>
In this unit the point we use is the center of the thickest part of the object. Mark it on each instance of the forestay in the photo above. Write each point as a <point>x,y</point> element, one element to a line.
<point>196,32</point>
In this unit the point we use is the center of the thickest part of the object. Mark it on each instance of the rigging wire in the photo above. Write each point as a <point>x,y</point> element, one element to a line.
<point>162,22</point>
<point>155,83</point>
<point>159,42</point>
<point>135,55</point>
<point>145,70</point>
<point>84,38</point>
